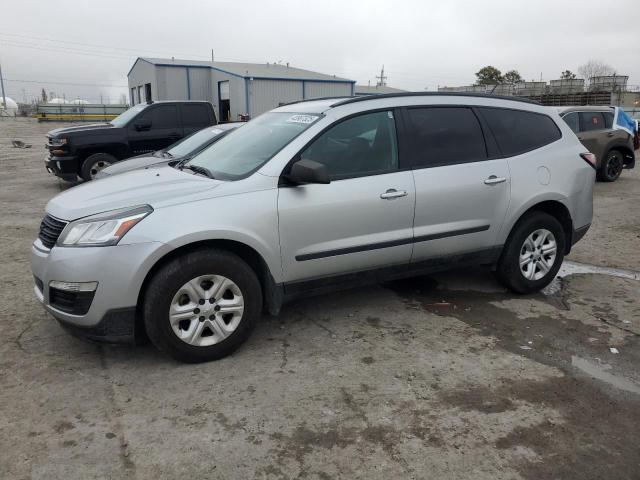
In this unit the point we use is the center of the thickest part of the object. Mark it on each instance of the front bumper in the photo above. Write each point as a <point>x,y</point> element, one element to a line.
<point>63,167</point>
<point>119,271</point>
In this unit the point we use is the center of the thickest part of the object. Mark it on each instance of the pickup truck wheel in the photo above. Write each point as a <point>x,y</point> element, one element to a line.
<point>533,253</point>
<point>202,306</point>
<point>95,163</point>
<point>611,167</point>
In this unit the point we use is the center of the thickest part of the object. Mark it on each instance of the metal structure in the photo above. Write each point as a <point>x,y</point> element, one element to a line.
<point>235,89</point>
<point>67,112</point>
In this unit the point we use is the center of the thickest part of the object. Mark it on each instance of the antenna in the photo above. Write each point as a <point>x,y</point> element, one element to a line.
<point>382,79</point>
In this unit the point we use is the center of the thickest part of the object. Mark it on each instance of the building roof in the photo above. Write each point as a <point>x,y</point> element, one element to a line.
<point>248,70</point>
<point>376,90</point>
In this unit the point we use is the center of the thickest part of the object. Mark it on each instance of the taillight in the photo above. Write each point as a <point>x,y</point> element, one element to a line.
<point>590,158</point>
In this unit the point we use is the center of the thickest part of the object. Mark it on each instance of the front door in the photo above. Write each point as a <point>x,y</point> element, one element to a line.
<point>461,195</point>
<point>360,221</point>
<point>161,130</point>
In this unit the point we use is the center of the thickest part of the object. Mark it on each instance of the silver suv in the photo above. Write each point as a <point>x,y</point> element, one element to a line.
<point>313,196</point>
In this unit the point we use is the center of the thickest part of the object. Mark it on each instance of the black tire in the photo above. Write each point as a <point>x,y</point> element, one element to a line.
<point>508,270</point>
<point>611,167</point>
<point>172,276</point>
<point>94,163</point>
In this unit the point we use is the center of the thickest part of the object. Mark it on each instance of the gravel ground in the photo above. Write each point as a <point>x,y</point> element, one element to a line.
<point>444,377</point>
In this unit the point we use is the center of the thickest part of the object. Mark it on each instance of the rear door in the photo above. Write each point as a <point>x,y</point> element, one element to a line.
<point>594,133</point>
<point>360,221</point>
<point>462,188</point>
<point>164,129</point>
<point>195,116</point>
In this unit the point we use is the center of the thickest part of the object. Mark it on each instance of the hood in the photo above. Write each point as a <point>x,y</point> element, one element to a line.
<point>78,128</point>
<point>134,164</point>
<point>138,187</point>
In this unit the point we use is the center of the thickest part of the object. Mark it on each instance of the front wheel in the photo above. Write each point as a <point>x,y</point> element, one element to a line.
<point>611,167</point>
<point>533,253</point>
<point>202,306</point>
<point>94,164</point>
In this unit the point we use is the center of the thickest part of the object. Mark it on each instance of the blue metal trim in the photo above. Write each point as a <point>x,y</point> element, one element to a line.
<point>188,85</point>
<point>246,97</point>
<point>303,80</point>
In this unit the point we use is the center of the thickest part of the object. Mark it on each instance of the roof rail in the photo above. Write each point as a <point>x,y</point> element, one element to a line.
<point>314,99</point>
<point>432,94</point>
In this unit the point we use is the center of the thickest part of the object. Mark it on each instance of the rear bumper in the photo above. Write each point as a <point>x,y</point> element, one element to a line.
<point>63,167</point>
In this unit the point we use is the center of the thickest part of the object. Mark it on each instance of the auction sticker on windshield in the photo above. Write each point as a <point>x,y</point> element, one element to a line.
<point>302,118</point>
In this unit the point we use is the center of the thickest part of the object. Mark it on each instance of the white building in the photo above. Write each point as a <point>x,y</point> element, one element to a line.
<point>10,109</point>
<point>233,88</point>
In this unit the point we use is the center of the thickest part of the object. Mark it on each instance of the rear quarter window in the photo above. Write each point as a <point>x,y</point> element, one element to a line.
<point>519,131</point>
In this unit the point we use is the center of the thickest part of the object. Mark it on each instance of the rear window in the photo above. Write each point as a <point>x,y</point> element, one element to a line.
<point>445,136</point>
<point>517,131</point>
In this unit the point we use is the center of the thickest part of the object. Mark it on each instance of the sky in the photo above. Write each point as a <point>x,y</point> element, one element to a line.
<point>84,49</point>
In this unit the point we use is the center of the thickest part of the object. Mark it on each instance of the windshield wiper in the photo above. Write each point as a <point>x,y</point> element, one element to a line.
<point>198,169</point>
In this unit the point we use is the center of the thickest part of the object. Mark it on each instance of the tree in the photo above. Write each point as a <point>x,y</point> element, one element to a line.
<point>44,96</point>
<point>488,76</point>
<point>512,77</point>
<point>567,75</point>
<point>595,68</point>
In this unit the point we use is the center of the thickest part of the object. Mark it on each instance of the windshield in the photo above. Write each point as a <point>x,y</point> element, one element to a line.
<point>246,149</point>
<point>122,119</point>
<point>194,141</point>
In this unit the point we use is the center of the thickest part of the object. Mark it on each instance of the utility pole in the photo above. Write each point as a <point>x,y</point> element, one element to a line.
<point>382,80</point>
<point>212,56</point>
<point>4,99</point>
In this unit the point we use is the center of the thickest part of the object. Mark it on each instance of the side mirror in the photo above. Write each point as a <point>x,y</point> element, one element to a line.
<point>142,124</point>
<point>308,171</point>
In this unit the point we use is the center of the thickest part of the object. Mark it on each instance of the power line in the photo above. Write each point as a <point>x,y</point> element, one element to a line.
<point>16,80</point>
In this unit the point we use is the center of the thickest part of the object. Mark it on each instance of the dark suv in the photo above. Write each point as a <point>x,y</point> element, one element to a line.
<point>84,150</point>
<point>596,129</point>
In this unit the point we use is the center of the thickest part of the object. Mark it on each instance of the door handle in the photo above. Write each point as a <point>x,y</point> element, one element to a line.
<point>492,180</point>
<point>610,134</point>
<point>393,193</point>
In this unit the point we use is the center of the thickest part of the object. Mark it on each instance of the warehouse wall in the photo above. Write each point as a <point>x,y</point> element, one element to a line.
<point>326,89</point>
<point>200,87</point>
<point>267,94</point>
<point>172,83</point>
<point>142,73</point>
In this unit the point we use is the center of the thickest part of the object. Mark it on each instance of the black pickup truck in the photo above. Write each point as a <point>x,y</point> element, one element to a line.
<point>84,150</point>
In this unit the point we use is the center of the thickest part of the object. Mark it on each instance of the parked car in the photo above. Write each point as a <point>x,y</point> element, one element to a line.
<point>84,150</point>
<point>596,129</point>
<point>178,152</point>
<point>311,197</point>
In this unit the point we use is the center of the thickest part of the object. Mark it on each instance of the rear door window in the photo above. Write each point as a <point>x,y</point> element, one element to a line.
<point>591,121</point>
<point>444,136</point>
<point>163,116</point>
<point>519,131</point>
<point>195,115</point>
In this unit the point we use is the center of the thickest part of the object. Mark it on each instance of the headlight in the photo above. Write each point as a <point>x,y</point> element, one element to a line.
<point>103,229</point>
<point>57,142</point>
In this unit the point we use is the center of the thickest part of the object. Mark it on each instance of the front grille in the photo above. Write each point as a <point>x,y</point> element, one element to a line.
<point>76,303</point>
<point>50,230</point>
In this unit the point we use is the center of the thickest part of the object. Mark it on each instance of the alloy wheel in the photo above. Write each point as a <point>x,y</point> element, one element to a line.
<point>538,254</point>
<point>206,310</point>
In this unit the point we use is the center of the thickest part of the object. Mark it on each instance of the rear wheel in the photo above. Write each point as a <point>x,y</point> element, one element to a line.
<point>611,167</point>
<point>202,306</point>
<point>94,164</point>
<point>533,253</point>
